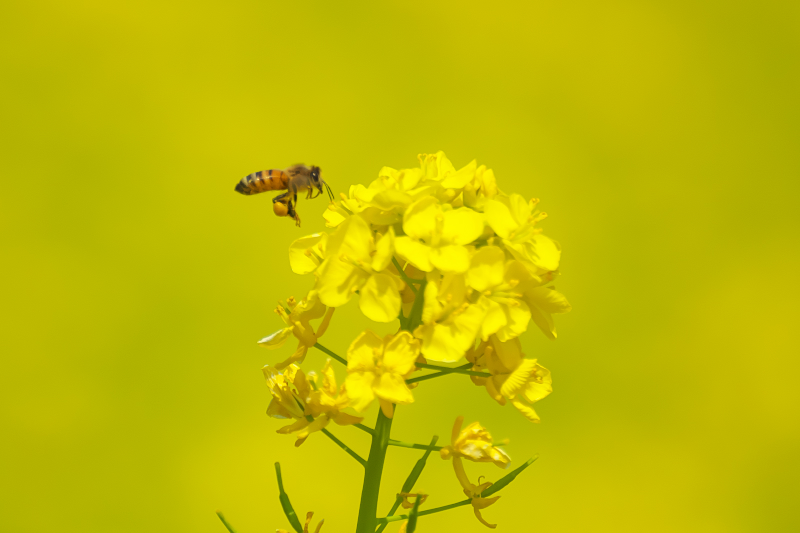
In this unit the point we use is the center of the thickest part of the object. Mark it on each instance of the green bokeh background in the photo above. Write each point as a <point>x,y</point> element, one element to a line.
<point>661,136</point>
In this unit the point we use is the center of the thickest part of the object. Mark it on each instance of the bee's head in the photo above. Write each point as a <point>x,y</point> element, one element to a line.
<point>319,183</point>
<point>315,176</point>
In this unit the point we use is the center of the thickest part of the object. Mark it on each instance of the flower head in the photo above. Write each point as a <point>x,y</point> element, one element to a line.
<point>436,235</point>
<point>355,262</point>
<point>298,396</point>
<point>521,381</point>
<point>471,490</point>
<point>498,282</point>
<point>449,321</point>
<point>297,317</point>
<point>378,368</point>
<point>475,444</point>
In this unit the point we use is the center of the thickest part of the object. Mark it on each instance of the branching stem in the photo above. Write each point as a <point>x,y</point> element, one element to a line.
<point>343,446</point>
<point>395,518</point>
<point>323,349</point>
<point>410,282</point>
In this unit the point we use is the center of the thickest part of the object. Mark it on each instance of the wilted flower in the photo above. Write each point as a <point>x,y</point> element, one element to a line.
<point>472,491</point>
<point>474,443</point>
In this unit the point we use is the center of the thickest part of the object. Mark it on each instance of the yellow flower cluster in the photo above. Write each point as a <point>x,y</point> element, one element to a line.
<point>462,265</point>
<point>486,268</point>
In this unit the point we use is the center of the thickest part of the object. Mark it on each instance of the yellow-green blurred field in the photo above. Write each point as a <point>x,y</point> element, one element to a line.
<point>662,138</point>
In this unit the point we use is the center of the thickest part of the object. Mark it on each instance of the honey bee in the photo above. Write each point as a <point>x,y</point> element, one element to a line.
<point>294,179</point>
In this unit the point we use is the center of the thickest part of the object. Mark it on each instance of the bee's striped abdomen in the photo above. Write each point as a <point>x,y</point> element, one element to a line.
<point>263,180</point>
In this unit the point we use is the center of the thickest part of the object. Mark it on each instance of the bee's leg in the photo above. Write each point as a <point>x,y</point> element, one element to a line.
<point>280,198</point>
<point>294,215</point>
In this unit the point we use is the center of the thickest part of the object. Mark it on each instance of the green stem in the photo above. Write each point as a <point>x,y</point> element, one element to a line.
<point>414,445</point>
<point>321,348</point>
<point>405,277</point>
<point>445,371</point>
<point>411,480</point>
<point>458,369</point>
<point>367,512</point>
<point>365,429</point>
<point>225,523</point>
<point>395,518</point>
<point>343,446</point>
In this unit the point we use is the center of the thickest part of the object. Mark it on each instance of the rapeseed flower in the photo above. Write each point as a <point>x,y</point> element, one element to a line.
<point>297,395</point>
<point>471,490</point>
<point>458,261</point>
<point>297,317</point>
<point>475,444</point>
<point>514,378</point>
<point>378,368</point>
<point>354,262</point>
<point>436,235</point>
<point>449,322</point>
<point>499,282</point>
<point>307,253</point>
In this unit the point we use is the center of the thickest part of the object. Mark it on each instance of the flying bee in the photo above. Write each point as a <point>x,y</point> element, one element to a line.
<point>297,178</point>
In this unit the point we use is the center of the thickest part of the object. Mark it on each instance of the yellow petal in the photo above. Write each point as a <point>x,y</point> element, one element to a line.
<point>545,254</point>
<point>415,252</point>
<point>277,339</point>
<point>334,215</point>
<point>384,250</point>
<point>353,238</point>
<point>361,353</point>
<point>389,199</point>
<point>535,390</point>
<point>296,426</point>
<point>519,378</point>
<point>359,389</point>
<point>345,419</point>
<point>387,407</point>
<point>393,388</point>
<point>298,260</point>
<point>452,258</point>
<point>410,178</point>
<point>432,309</point>
<point>462,226</point>
<point>419,220</point>
<point>509,353</point>
<point>457,180</point>
<point>521,208</point>
<point>548,299</point>
<point>498,216</point>
<point>380,300</point>
<point>486,268</point>
<point>400,354</point>
<point>526,410</point>
<point>517,319</point>
<point>329,379</point>
<point>545,322</point>
<point>494,319</point>
<point>338,281</point>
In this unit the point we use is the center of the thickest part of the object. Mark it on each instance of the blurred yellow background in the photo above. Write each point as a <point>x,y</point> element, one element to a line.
<point>662,138</point>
